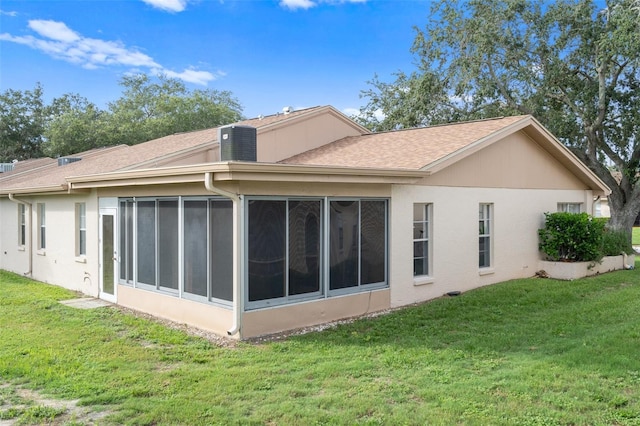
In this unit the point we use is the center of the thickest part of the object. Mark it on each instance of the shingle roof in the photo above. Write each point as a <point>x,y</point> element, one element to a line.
<point>45,172</point>
<point>402,149</point>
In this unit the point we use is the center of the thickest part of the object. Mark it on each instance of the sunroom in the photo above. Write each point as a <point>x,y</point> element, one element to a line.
<point>247,249</point>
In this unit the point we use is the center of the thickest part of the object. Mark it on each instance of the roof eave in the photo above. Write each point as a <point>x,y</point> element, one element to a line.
<point>35,190</point>
<point>247,171</point>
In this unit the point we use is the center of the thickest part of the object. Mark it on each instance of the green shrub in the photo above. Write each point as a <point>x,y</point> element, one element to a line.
<point>616,242</point>
<point>572,237</point>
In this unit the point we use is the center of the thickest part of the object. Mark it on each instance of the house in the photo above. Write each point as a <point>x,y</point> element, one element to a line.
<point>291,220</point>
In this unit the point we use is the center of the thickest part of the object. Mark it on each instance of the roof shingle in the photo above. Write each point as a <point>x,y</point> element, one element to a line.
<point>402,149</point>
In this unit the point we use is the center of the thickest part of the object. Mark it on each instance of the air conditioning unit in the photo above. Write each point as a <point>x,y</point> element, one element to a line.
<point>66,160</point>
<point>237,143</point>
<point>6,167</point>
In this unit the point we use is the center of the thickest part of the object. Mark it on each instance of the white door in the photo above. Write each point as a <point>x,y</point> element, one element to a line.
<point>108,254</point>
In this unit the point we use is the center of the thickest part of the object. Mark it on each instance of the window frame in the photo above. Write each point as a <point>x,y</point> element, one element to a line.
<point>485,222</point>
<point>209,253</point>
<point>81,230</point>
<point>425,221</point>
<point>129,246</point>
<point>325,290</point>
<point>42,226</point>
<point>288,297</point>
<point>22,225</point>
<point>569,207</point>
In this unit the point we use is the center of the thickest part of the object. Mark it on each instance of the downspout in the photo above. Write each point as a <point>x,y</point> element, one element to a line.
<point>30,236</point>
<point>238,211</point>
<point>593,205</point>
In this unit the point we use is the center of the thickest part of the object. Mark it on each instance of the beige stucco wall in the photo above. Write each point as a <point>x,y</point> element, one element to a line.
<point>280,318</point>
<point>517,215</point>
<point>201,315</point>
<point>515,162</point>
<point>57,263</point>
<point>277,143</point>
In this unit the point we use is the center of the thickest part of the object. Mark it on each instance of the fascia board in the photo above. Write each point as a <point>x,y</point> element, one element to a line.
<point>49,190</point>
<point>246,171</point>
<point>313,113</point>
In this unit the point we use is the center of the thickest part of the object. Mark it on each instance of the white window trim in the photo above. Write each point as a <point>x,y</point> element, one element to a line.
<point>566,207</point>
<point>80,211</point>
<point>42,229</point>
<point>487,210</point>
<point>427,219</point>
<point>22,226</point>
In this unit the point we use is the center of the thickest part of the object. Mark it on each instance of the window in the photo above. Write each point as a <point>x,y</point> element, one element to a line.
<point>284,248</point>
<point>421,239</point>
<point>22,225</point>
<point>207,249</point>
<point>357,243</point>
<point>125,212</point>
<point>167,246</point>
<point>570,207</point>
<point>42,235</point>
<point>310,248</point>
<point>81,229</point>
<point>178,244</point>
<point>485,229</point>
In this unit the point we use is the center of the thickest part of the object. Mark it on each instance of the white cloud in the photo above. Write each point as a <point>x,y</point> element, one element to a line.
<point>54,30</point>
<point>168,5</point>
<point>8,13</point>
<point>61,42</point>
<point>307,4</point>
<point>298,4</point>
<point>192,76</point>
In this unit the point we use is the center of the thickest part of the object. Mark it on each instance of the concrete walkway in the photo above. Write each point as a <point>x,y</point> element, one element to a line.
<point>86,303</point>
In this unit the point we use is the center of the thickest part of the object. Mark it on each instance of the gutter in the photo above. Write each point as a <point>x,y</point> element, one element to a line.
<point>238,233</point>
<point>30,236</point>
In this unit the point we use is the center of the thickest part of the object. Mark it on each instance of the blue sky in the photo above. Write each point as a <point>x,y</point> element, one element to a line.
<point>269,53</point>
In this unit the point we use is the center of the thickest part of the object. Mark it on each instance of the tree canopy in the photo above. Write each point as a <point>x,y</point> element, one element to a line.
<point>149,108</point>
<point>23,117</point>
<point>572,64</point>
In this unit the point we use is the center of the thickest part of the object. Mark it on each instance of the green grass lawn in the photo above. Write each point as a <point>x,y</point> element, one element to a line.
<point>635,236</point>
<point>525,352</point>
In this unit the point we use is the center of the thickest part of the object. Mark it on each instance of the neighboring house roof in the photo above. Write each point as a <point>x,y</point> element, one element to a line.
<point>44,175</point>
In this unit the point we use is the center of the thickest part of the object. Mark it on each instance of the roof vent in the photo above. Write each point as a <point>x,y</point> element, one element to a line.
<point>66,160</point>
<point>287,110</point>
<point>237,143</point>
<point>6,167</point>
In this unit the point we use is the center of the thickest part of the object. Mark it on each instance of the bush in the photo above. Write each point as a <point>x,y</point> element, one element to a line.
<point>616,242</point>
<point>572,237</point>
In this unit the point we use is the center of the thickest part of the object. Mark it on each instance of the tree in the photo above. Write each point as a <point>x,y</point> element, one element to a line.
<point>77,125</point>
<point>570,64</point>
<point>23,117</point>
<point>70,124</point>
<point>149,110</point>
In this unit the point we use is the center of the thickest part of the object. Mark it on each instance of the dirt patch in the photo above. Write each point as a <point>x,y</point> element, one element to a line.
<point>20,406</point>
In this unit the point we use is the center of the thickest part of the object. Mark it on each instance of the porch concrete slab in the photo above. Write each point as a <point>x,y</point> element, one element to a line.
<point>86,303</point>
